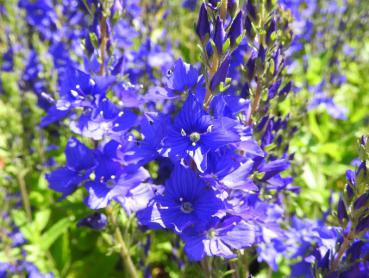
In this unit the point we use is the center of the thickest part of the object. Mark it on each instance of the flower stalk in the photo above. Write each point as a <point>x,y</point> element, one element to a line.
<point>123,249</point>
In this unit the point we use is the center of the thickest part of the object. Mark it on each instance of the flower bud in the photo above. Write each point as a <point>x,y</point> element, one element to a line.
<point>324,262</point>
<point>342,212</point>
<point>268,5</point>
<point>245,91</point>
<point>273,89</point>
<point>271,28</point>
<point>214,3</point>
<point>363,140</point>
<point>232,6</point>
<point>251,10</point>
<point>236,29</point>
<point>96,221</point>
<point>363,224</point>
<point>203,27</point>
<point>362,170</point>
<point>261,56</point>
<point>361,201</point>
<point>251,67</point>
<point>350,177</point>
<point>220,75</point>
<point>219,35</point>
<point>249,29</point>
<point>349,192</point>
<point>286,89</point>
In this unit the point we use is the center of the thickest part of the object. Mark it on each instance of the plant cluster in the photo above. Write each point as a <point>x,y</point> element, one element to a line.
<point>163,150</point>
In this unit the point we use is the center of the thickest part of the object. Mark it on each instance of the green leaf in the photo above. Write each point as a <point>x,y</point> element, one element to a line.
<point>62,253</point>
<point>314,127</point>
<point>49,237</point>
<point>226,45</point>
<point>41,219</point>
<point>94,40</point>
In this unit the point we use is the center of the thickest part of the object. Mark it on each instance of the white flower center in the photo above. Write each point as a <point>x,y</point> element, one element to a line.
<point>186,207</point>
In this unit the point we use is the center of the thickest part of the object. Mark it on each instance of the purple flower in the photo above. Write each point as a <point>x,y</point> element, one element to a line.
<point>219,239</point>
<point>96,221</point>
<point>189,4</point>
<point>41,15</point>
<point>17,237</point>
<point>77,90</point>
<point>80,164</point>
<point>251,10</point>
<point>194,133</point>
<point>153,130</point>
<point>105,119</point>
<point>186,201</point>
<point>182,77</point>
<point>112,179</point>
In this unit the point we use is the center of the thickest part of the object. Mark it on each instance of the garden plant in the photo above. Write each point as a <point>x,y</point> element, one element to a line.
<point>184,138</point>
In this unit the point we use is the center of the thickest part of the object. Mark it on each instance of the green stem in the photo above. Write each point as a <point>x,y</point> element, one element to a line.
<point>223,10</point>
<point>206,267</point>
<point>344,246</point>
<point>123,250</point>
<point>234,266</point>
<point>256,101</point>
<point>245,263</point>
<point>212,70</point>
<point>103,44</point>
<point>24,194</point>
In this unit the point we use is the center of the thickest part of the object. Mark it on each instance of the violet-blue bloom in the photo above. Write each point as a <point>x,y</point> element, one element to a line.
<point>112,180</point>
<point>195,133</point>
<point>186,201</point>
<point>183,76</point>
<point>80,164</point>
<point>96,221</point>
<point>219,238</point>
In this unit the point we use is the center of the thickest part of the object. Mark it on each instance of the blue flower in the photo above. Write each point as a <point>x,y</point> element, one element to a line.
<point>77,90</point>
<point>96,221</point>
<point>183,76</point>
<point>80,164</point>
<point>105,119</point>
<point>186,201</point>
<point>102,193</point>
<point>321,98</point>
<point>113,180</point>
<point>41,15</point>
<point>17,237</point>
<point>228,170</point>
<point>138,197</point>
<point>219,239</point>
<point>7,63</point>
<point>153,130</point>
<point>195,133</point>
<point>189,4</point>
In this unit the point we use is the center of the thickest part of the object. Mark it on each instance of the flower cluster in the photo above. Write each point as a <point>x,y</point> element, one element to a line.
<point>218,175</point>
<point>321,23</point>
<point>201,149</point>
<point>331,249</point>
